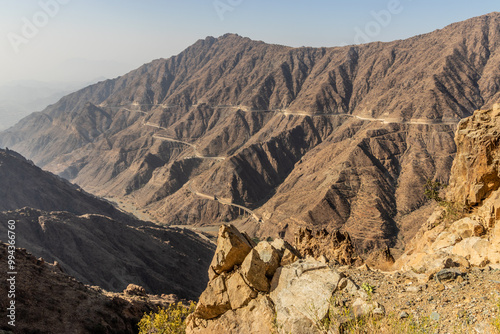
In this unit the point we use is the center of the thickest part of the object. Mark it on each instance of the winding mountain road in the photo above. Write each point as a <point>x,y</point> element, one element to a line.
<point>221,201</point>
<point>283,112</point>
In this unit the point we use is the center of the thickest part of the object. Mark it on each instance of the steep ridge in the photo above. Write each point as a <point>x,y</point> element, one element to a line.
<point>463,231</point>
<point>22,184</point>
<point>343,137</point>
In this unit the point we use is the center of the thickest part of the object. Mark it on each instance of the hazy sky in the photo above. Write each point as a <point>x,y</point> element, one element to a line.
<point>80,40</point>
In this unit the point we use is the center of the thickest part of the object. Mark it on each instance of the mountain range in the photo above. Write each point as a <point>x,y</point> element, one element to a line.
<point>340,137</point>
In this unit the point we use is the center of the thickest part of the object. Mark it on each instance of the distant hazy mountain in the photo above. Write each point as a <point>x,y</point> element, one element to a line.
<point>341,137</point>
<point>20,98</point>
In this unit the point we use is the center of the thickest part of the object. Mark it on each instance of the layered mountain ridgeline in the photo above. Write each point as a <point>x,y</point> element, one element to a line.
<point>340,137</point>
<point>94,242</point>
<point>101,251</point>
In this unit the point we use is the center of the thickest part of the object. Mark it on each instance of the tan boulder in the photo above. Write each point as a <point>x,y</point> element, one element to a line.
<point>269,255</point>
<point>239,292</point>
<point>232,248</point>
<point>474,249</point>
<point>288,253</point>
<point>214,301</point>
<point>255,318</point>
<point>467,227</point>
<point>301,294</point>
<point>431,263</point>
<point>254,271</point>
<point>494,249</point>
<point>445,241</point>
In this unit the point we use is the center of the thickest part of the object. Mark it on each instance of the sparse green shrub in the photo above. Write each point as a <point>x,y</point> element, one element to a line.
<point>496,320</point>
<point>169,320</point>
<point>432,190</point>
<point>453,211</point>
<point>369,289</point>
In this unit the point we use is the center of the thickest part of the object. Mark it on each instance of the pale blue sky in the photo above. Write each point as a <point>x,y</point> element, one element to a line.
<point>85,39</point>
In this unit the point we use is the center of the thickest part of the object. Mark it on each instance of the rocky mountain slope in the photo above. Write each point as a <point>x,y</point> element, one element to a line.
<point>49,301</point>
<point>269,288</point>
<point>339,137</point>
<point>93,241</point>
<point>101,251</point>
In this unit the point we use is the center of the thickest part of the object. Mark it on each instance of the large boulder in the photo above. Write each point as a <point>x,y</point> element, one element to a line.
<point>214,301</point>
<point>466,228</point>
<point>474,249</point>
<point>254,271</point>
<point>269,255</point>
<point>287,252</point>
<point>239,292</point>
<point>255,318</point>
<point>301,294</point>
<point>232,248</point>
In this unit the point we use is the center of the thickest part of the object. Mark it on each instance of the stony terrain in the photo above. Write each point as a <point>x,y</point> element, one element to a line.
<point>468,303</point>
<point>268,288</point>
<point>326,137</point>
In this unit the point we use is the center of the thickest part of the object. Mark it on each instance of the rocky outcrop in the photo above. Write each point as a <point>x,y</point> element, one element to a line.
<point>475,173</point>
<point>335,247</point>
<point>473,193</point>
<point>232,249</point>
<point>301,293</point>
<point>267,293</point>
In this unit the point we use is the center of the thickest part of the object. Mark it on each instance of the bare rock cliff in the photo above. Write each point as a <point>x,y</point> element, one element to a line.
<point>464,231</point>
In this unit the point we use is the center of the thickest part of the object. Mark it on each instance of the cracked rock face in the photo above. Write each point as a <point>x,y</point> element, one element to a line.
<point>475,172</point>
<point>301,294</point>
<point>232,248</point>
<point>472,240</point>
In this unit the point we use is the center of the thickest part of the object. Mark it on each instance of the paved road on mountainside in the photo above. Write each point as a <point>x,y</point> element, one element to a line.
<point>215,198</point>
<point>196,153</point>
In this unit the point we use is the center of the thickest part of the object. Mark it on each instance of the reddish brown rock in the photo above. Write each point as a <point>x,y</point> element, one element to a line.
<point>336,246</point>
